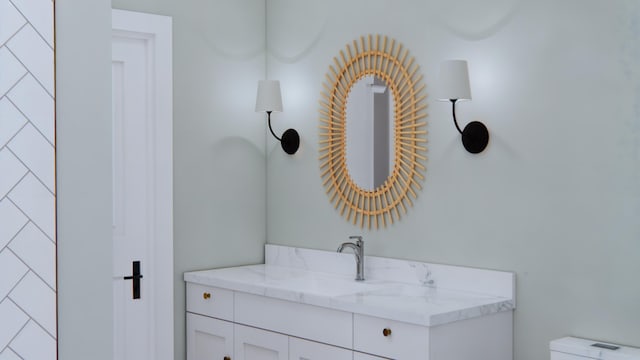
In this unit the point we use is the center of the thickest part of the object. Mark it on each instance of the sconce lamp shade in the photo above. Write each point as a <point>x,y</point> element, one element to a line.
<point>269,98</point>
<point>454,81</point>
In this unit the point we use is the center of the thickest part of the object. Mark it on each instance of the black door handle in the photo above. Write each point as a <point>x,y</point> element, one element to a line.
<point>136,276</point>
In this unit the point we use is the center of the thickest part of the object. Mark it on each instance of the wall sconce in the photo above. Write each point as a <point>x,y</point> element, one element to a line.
<point>454,86</point>
<point>269,100</point>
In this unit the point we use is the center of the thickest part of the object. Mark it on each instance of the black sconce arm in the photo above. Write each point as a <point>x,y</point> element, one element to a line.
<point>290,140</point>
<point>453,108</point>
<point>475,135</point>
<point>270,129</point>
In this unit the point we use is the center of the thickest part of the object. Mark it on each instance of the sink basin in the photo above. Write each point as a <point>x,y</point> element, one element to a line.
<point>338,286</point>
<point>323,284</point>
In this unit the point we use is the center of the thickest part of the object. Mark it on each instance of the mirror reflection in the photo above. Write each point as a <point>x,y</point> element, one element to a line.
<point>370,132</point>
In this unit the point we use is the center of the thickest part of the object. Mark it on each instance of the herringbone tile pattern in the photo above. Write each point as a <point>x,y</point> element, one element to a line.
<point>27,181</point>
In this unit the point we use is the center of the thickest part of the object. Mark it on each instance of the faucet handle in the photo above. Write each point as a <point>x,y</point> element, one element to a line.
<point>356,237</point>
<point>359,242</point>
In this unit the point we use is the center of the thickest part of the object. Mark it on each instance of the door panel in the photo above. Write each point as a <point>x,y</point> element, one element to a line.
<point>142,186</point>
<point>131,236</point>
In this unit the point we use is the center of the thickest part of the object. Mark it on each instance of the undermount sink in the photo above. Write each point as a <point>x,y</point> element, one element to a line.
<point>335,286</point>
<point>318,283</point>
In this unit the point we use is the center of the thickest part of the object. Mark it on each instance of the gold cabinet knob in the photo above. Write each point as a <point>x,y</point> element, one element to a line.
<point>207,296</point>
<point>227,358</point>
<point>386,332</point>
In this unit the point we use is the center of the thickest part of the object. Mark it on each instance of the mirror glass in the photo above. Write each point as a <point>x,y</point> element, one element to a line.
<point>370,132</point>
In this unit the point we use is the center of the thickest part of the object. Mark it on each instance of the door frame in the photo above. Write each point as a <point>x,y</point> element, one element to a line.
<point>157,30</point>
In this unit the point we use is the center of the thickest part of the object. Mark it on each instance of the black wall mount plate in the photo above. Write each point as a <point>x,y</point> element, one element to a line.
<point>290,141</point>
<point>475,137</point>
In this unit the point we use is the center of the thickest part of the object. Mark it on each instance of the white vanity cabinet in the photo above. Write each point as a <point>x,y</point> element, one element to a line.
<point>229,325</point>
<point>290,308</point>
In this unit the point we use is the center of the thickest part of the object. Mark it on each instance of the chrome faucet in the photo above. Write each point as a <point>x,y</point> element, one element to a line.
<point>358,251</point>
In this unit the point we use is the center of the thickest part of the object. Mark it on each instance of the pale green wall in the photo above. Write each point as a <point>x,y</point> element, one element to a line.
<point>554,198</point>
<point>218,139</point>
<point>83,176</point>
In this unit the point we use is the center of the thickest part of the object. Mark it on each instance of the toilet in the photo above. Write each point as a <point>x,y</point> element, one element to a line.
<point>570,348</point>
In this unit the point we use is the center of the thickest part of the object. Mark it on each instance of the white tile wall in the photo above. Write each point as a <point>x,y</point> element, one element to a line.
<point>7,354</point>
<point>10,21</point>
<point>33,52</point>
<point>27,181</point>
<point>37,299</point>
<point>36,153</point>
<point>23,344</point>
<point>13,320</point>
<point>12,171</point>
<point>11,221</point>
<point>37,202</point>
<point>12,270</point>
<point>39,13</point>
<point>42,262</point>
<point>12,121</point>
<point>12,70</point>
<point>35,103</point>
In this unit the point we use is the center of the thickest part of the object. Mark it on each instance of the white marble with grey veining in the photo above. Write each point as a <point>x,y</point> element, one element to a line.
<point>413,292</point>
<point>499,283</point>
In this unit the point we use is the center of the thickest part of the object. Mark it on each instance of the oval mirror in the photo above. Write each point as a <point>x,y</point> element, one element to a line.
<point>369,132</point>
<point>372,200</point>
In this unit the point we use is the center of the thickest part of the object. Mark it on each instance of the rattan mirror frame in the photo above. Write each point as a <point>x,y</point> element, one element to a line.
<point>378,56</point>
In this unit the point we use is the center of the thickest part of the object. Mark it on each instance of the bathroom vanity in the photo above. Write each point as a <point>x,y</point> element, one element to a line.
<point>305,304</point>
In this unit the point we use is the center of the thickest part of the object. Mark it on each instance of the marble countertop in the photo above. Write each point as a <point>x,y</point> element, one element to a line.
<point>293,274</point>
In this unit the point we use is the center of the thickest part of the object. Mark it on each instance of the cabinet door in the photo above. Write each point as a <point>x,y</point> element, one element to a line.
<point>209,339</point>
<point>256,344</point>
<point>309,350</point>
<point>361,356</point>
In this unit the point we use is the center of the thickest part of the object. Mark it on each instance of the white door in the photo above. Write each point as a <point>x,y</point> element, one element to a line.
<point>256,344</point>
<point>209,338</point>
<point>142,186</point>
<point>309,350</point>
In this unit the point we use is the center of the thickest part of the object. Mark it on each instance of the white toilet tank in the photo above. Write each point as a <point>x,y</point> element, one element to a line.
<point>570,348</point>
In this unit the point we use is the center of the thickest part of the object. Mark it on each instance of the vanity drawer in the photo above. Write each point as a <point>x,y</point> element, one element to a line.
<point>316,323</point>
<point>388,338</point>
<point>210,301</point>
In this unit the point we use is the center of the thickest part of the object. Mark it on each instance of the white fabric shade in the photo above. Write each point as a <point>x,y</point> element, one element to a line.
<point>454,81</point>
<point>268,98</point>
